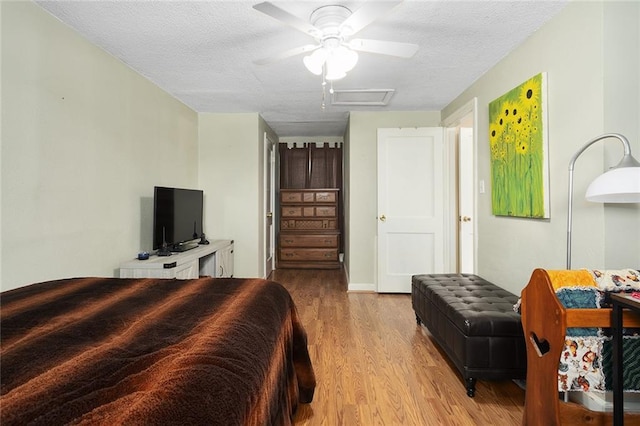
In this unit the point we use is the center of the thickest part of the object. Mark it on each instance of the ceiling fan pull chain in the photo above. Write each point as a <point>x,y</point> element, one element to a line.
<point>324,91</point>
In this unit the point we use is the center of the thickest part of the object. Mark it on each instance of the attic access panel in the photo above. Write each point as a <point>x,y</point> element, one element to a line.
<point>368,97</point>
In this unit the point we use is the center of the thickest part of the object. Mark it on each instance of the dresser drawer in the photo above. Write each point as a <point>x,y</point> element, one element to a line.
<point>308,254</point>
<point>308,197</point>
<point>296,211</point>
<point>325,197</point>
<point>325,241</point>
<point>308,224</point>
<point>291,197</point>
<point>325,211</point>
<point>292,211</point>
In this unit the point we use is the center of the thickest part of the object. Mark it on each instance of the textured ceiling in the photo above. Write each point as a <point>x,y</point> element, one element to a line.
<point>202,53</point>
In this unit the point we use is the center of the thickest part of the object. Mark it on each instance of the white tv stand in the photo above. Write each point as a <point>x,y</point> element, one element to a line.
<point>214,259</point>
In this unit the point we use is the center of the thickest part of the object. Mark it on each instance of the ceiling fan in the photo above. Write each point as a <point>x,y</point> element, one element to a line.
<point>332,26</point>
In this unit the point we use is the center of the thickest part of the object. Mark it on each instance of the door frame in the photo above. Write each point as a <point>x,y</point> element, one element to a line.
<point>269,204</point>
<point>452,123</point>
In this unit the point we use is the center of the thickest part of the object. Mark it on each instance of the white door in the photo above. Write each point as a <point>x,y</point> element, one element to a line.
<point>269,194</point>
<point>410,206</point>
<point>466,218</point>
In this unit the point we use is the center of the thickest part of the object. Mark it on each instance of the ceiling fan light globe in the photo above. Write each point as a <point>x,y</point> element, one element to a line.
<point>311,65</point>
<point>347,58</point>
<point>334,70</point>
<point>315,61</point>
<point>340,61</point>
<point>335,75</point>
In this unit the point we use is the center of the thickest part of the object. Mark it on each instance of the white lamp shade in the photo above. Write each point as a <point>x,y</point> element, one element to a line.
<point>619,185</point>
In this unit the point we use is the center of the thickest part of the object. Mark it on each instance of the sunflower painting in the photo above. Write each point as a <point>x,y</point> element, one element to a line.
<point>518,141</point>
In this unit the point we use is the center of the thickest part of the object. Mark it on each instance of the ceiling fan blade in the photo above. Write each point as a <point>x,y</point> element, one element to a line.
<point>369,12</point>
<point>282,15</point>
<point>287,54</point>
<point>391,48</point>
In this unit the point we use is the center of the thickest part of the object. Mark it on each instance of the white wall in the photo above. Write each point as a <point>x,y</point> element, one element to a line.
<point>572,49</point>
<point>84,140</point>
<point>231,172</point>
<point>361,188</point>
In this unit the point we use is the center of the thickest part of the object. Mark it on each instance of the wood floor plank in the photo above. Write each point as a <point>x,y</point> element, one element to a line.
<point>375,366</point>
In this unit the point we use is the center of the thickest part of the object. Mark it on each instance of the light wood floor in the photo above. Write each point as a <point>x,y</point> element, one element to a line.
<point>375,366</point>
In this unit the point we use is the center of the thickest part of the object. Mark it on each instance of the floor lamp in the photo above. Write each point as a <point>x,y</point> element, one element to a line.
<point>620,184</point>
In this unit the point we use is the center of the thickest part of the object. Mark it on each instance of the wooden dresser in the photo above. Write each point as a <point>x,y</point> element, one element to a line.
<point>309,229</point>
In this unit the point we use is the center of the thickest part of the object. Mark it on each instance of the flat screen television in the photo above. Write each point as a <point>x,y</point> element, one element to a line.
<point>177,219</point>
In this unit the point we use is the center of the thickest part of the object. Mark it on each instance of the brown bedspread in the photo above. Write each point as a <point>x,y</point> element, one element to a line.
<point>147,351</point>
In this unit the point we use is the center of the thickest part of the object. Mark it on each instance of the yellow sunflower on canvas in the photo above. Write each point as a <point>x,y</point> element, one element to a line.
<point>519,184</point>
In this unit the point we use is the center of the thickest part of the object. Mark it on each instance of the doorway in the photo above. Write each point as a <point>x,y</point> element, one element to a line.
<point>269,200</point>
<point>461,139</point>
<point>310,205</point>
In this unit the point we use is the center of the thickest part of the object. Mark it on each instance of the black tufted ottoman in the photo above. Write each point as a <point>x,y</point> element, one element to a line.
<point>474,322</point>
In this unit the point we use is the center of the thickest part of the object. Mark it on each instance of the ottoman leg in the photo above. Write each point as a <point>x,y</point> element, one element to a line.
<point>418,320</point>
<point>471,387</point>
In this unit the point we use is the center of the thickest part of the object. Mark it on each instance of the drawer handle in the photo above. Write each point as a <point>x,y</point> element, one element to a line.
<point>288,254</point>
<point>327,255</point>
<point>292,211</point>
<point>288,241</point>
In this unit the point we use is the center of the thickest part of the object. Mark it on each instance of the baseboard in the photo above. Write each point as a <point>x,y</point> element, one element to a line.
<point>361,287</point>
<point>603,401</point>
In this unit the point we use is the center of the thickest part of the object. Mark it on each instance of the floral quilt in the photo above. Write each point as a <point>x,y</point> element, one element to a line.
<point>585,363</point>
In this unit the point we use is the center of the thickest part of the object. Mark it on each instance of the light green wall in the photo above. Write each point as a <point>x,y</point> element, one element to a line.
<point>84,140</point>
<point>573,49</point>
<point>231,173</point>
<point>622,115</point>
<point>360,187</point>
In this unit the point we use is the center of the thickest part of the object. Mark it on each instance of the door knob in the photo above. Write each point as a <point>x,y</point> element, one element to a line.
<point>465,219</point>
<point>269,214</point>
<point>383,218</point>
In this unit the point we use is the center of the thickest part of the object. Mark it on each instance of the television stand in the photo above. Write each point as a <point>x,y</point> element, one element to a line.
<point>213,260</point>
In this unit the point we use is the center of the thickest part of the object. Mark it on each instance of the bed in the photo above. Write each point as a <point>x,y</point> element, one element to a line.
<point>152,351</point>
<point>560,311</point>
